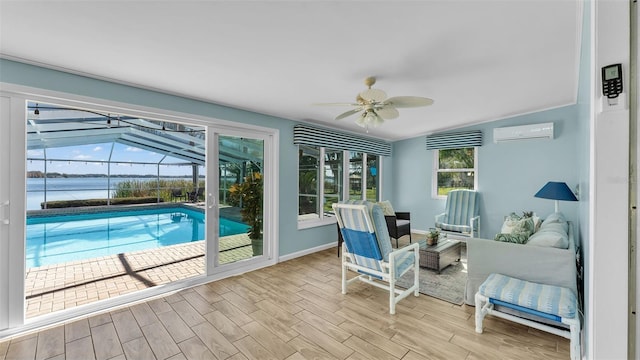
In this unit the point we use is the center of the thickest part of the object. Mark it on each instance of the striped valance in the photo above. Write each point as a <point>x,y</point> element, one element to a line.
<point>309,135</point>
<point>454,140</point>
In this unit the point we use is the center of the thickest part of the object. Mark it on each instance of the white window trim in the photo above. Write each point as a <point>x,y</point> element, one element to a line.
<point>434,174</point>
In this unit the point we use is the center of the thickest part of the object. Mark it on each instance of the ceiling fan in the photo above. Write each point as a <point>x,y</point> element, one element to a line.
<point>375,108</point>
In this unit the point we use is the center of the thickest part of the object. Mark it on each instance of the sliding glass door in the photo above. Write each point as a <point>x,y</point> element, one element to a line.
<point>205,186</point>
<point>240,188</point>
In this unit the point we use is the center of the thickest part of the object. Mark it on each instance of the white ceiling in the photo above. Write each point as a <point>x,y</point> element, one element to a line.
<point>479,60</point>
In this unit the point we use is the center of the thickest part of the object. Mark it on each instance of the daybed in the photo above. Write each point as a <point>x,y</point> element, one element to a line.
<point>540,264</point>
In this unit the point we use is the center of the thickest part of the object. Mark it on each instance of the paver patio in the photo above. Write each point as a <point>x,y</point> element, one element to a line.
<point>62,286</point>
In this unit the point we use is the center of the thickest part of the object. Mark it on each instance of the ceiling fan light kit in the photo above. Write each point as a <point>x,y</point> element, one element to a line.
<point>375,108</point>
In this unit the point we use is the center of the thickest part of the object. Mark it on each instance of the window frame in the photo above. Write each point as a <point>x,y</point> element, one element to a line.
<point>436,170</point>
<point>323,218</point>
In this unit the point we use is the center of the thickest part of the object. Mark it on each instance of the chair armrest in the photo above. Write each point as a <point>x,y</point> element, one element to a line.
<point>403,215</point>
<point>411,247</point>
<point>475,225</point>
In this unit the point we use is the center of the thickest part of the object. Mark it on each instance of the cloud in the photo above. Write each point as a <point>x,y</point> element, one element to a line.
<point>133,149</point>
<point>97,148</point>
<point>82,157</point>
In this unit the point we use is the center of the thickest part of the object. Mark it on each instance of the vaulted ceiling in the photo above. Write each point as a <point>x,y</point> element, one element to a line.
<point>479,60</point>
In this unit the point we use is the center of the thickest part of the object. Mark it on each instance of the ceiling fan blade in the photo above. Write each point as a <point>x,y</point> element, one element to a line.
<point>348,113</point>
<point>388,112</point>
<point>373,95</point>
<point>408,101</point>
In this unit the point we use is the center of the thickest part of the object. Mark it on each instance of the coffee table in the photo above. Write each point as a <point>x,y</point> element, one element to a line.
<point>439,256</point>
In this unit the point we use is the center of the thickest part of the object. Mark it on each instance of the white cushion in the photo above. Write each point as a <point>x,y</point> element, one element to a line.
<point>552,235</point>
<point>555,218</point>
<point>387,209</point>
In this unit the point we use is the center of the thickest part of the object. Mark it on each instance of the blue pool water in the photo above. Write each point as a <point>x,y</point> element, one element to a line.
<point>62,238</point>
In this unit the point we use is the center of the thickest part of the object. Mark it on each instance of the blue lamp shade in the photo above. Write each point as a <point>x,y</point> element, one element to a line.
<point>556,191</point>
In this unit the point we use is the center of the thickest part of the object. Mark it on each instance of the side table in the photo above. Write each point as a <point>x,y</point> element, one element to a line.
<point>439,256</point>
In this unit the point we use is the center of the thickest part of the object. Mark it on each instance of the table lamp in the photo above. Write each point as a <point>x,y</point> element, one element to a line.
<point>556,191</point>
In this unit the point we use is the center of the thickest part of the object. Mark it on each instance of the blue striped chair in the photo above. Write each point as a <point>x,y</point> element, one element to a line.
<point>367,250</point>
<point>461,214</point>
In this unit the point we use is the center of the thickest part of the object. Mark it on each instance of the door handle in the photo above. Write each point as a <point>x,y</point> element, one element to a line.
<point>210,201</point>
<point>5,219</point>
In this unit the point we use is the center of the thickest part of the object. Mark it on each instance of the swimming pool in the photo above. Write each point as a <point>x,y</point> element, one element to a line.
<point>61,238</point>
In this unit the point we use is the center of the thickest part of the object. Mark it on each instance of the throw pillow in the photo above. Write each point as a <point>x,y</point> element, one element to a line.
<point>387,209</point>
<point>520,231</point>
<point>517,238</point>
<point>510,223</point>
<point>524,225</point>
<point>549,238</point>
<point>556,218</point>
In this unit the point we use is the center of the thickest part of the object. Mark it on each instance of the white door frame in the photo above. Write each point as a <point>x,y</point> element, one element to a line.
<point>12,211</point>
<point>13,189</point>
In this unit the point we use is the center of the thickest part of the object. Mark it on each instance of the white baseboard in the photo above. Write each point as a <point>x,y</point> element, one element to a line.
<point>307,251</point>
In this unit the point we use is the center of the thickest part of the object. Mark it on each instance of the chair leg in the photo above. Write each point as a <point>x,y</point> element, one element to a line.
<point>479,313</point>
<point>416,273</point>
<point>574,351</point>
<point>344,275</point>
<point>392,302</point>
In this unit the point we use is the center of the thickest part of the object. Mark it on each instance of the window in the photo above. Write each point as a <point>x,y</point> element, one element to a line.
<point>308,176</point>
<point>322,180</point>
<point>333,174</point>
<point>454,169</point>
<point>332,167</point>
<point>372,178</point>
<point>355,175</point>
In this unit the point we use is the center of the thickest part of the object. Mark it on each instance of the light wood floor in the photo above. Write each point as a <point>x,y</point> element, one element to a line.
<point>293,310</point>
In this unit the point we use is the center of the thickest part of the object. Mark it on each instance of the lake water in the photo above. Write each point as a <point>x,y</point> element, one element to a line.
<point>74,188</point>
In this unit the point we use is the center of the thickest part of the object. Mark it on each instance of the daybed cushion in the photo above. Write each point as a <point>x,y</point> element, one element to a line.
<point>553,232</point>
<point>548,299</point>
<point>551,235</point>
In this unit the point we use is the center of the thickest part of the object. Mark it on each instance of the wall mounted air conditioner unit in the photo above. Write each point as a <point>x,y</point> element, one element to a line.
<point>523,132</point>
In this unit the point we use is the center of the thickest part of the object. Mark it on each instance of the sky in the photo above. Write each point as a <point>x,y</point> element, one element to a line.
<point>82,156</point>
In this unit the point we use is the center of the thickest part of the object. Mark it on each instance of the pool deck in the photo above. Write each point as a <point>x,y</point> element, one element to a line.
<point>62,286</point>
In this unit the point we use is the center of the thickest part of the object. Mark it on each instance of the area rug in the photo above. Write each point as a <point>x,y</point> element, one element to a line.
<point>448,285</point>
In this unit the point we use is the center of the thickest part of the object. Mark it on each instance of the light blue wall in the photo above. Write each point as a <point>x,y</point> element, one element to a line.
<point>509,174</point>
<point>291,239</point>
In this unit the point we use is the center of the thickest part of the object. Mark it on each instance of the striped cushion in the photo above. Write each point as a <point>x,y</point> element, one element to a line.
<point>404,263</point>
<point>461,206</point>
<point>547,299</point>
<point>451,227</point>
